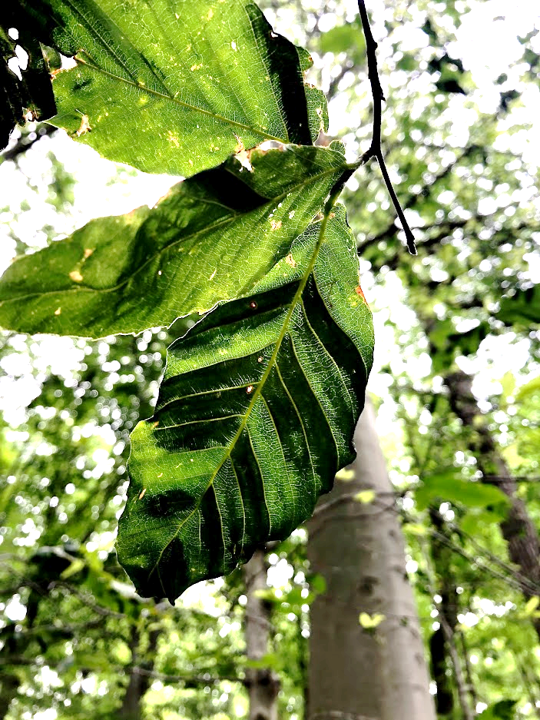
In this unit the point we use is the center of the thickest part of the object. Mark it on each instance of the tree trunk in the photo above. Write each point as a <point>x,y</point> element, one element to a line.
<point>9,687</point>
<point>358,673</point>
<point>441,582</point>
<point>138,682</point>
<point>262,683</point>
<point>448,612</point>
<point>518,529</point>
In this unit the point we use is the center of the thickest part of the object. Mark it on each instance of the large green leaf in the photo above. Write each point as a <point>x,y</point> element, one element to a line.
<point>447,485</point>
<point>210,239</point>
<point>255,416</point>
<point>175,85</point>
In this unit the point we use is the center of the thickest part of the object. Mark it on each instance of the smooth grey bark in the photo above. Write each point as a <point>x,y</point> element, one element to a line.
<point>356,674</point>
<point>262,683</point>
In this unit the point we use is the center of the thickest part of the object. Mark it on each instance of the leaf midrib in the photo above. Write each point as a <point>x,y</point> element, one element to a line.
<point>79,59</point>
<point>260,385</point>
<point>180,103</point>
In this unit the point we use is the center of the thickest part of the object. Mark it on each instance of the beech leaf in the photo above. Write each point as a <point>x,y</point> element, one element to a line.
<point>210,239</point>
<point>255,416</point>
<point>174,86</point>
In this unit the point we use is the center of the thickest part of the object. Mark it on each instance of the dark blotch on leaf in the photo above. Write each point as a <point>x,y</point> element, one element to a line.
<point>169,503</point>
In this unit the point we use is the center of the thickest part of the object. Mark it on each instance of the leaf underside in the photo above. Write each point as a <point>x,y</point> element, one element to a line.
<point>175,86</point>
<point>210,239</point>
<point>255,416</point>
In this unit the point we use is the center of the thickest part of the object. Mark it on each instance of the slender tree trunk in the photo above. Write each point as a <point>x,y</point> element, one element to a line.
<point>138,682</point>
<point>9,686</point>
<point>518,529</point>
<point>355,673</point>
<point>448,610</point>
<point>262,683</point>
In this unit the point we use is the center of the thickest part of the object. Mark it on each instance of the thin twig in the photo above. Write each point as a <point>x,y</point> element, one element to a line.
<point>375,149</point>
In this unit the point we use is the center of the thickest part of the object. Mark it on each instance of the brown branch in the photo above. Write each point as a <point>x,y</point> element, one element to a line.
<point>190,679</point>
<point>375,149</point>
<point>26,141</point>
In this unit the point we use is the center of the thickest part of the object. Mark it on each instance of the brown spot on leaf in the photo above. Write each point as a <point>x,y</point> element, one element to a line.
<point>84,127</point>
<point>360,292</point>
<point>291,261</point>
<point>142,494</point>
<point>76,276</point>
<point>88,252</point>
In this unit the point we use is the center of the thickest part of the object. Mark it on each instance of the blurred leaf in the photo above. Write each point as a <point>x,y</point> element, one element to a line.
<point>446,486</point>
<point>76,566</point>
<point>530,389</point>
<point>502,710</point>
<point>522,308</point>
<point>345,475</point>
<point>370,622</point>
<point>347,38</point>
<point>270,660</point>
<point>532,605</point>
<point>365,497</point>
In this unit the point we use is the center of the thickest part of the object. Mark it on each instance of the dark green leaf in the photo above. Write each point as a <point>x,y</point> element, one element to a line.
<point>210,239</point>
<point>522,308</point>
<point>255,415</point>
<point>502,710</point>
<point>446,486</point>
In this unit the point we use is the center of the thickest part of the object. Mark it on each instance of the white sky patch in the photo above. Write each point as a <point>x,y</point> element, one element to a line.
<point>15,610</point>
<point>487,41</point>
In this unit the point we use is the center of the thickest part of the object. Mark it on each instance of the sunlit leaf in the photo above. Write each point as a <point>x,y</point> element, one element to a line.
<point>175,85</point>
<point>365,497</point>
<point>210,239</point>
<point>370,622</point>
<point>254,417</point>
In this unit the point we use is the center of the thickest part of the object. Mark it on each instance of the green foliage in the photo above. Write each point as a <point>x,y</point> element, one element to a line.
<point>197,84</point>
<point>347,39</point>
<point>522,308</point>
<point>452,157</point>
<point>255,416</point>
<point>210,239</point>
<point>175,87</point>
<point>502,710</point>
<point>448,486</point>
